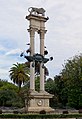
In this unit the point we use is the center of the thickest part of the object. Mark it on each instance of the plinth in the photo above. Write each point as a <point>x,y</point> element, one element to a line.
<point>39,101</point>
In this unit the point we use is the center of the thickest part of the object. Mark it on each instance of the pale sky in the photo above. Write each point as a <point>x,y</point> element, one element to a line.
<point>63,37</point>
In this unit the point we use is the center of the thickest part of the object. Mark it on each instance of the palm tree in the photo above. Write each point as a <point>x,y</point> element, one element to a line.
<point>19,73</point>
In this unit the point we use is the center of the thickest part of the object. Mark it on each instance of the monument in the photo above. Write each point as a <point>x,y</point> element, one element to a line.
<point>38,100</point>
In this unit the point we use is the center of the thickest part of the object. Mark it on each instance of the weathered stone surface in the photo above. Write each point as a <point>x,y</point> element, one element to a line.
<point>38,100</point>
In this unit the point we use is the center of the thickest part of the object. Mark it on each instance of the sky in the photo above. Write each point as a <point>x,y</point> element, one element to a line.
<point>63,38</point>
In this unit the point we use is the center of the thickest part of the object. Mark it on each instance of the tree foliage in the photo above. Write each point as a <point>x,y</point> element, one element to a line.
<point>9,95</point>
<point>19,73</point>
<point>65,87</point>
<point>72,77</point>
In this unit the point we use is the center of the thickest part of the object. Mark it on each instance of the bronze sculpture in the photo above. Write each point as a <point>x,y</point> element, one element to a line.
<point>36,11</point>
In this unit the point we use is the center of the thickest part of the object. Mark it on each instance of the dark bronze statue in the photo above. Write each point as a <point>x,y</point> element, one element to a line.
<point>37,58</point>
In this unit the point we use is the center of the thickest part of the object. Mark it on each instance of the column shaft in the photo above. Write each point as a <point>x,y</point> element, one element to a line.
<point>32,69</point>
<point>42,53</point>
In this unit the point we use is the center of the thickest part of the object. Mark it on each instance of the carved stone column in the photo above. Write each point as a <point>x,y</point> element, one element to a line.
<point>32,69</point>
<point>42,34</point>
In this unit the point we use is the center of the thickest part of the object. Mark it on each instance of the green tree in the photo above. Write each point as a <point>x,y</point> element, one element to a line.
<point>60,91</point>
<point>56,87</point>
<point>19,73</point>
<point>9,95</point>
<point>8,86</point>
<point>10,98</point>
<point>25,95</point>
<point>49,86</point>
<point>72,77</point>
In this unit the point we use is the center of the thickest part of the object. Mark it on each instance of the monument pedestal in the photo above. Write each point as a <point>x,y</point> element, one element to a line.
<point>39,101</point>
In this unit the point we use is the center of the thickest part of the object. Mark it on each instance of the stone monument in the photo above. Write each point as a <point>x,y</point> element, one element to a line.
<point>38,100</point>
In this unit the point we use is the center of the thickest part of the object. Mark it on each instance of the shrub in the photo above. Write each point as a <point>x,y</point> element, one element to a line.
<point>42,112</point>
<point>80,111</point>
<point>15,112</point>
<point>0,111</point>
<point>65,112</point>
<point>39,116</point>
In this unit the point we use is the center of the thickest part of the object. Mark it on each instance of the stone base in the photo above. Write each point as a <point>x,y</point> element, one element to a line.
<point>39,101</point>
<point>38,109</point>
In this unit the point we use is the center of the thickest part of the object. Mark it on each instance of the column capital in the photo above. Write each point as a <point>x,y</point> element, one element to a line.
<point>31,31</point>
<point>42,31</point>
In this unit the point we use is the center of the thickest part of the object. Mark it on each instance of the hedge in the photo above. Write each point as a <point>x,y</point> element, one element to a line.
<point>40,116</point>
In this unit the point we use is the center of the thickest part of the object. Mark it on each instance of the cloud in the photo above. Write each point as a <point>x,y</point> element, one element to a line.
<point>63,38</point>
<point>13,52</point>
<point>2,48</point>
<point>2,72</point>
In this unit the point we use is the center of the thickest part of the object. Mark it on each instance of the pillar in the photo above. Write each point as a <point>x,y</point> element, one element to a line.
<point>32,69</point>
<point>42,33</point>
